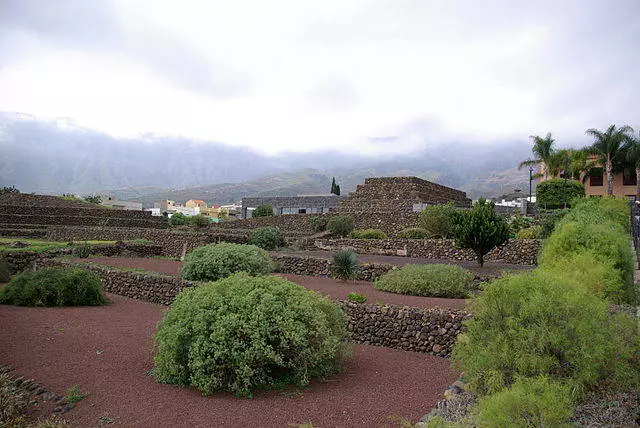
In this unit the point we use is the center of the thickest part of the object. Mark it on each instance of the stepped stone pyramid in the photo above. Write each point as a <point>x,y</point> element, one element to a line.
<point>399,195</point>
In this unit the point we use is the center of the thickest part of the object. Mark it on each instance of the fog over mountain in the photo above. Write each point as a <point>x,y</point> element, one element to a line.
<point>57,156</point>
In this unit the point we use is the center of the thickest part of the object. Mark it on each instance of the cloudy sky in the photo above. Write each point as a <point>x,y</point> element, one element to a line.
<point>301,75</point>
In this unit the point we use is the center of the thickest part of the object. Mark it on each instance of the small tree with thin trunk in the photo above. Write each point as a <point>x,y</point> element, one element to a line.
<point>480,229</point>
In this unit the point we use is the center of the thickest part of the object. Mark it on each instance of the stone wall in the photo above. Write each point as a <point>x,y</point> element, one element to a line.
<point>290,224</point>
<point>516,251</point>
<point>19,261</point>
<point>82,220</point>
<point>82,212</point>
<point>431,330</point>
<point>317,266</point>
<point>171,240</point>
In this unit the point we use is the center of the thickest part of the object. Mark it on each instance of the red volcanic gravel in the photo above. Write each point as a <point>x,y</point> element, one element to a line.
<point>107,351</point>
<point>334,288</point>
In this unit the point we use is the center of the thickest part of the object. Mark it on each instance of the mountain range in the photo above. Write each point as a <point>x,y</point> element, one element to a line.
<point>57,156</point>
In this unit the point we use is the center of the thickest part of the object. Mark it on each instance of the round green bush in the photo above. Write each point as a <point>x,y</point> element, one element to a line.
<point>344,265</point>
<point>318,223</point>
<point>340,225</point>
<point>413,233</point>
<point>198,221</point>
<point>530,402</point>
<point>529,233</point>
<point>242,333</point>
<point>54,287</point>
<point>368,234</point>
<point>5,275</point>
<point>438,220</point>
<point>81,250</point>
<point>551,193</point>
<point>267,238</point>
<point>432,280</point>
<point>214,261</point>
<point>263,211</point>
<point>178,219</point>
<point>537,324</point>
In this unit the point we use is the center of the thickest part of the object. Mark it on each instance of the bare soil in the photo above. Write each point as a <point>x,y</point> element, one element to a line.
<point>107,352</point>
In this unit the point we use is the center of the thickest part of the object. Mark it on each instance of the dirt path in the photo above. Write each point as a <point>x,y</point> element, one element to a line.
<point>107,352</point>
<point>335,288</point>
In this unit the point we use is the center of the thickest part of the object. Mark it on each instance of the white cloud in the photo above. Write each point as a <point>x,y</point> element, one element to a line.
<point>331,74</point>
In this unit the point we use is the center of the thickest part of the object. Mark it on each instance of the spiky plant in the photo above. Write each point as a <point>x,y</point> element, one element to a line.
<point>344,265</point>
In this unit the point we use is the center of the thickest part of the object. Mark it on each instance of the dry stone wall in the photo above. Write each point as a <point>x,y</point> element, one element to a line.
<point>516,251</point>
<point>431,331</point>
<point>19,261</point>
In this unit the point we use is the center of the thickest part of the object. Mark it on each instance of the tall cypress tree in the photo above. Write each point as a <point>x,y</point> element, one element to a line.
<point>333,186</point>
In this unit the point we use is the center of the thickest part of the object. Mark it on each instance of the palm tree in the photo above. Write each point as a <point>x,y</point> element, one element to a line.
<point>632,152</point>
<point>543,151</point>
<point>608,146</point>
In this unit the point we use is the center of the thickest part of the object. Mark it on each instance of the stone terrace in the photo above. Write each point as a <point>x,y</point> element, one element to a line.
<point>31,215</point>
<point>399,194</point>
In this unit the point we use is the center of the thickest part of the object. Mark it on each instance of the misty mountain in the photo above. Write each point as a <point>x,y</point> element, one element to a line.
<point>54,157</point>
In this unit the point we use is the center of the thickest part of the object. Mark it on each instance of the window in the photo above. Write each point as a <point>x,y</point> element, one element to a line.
<point>302,211</point>
<point>629,177</point>
<point>596,178</point>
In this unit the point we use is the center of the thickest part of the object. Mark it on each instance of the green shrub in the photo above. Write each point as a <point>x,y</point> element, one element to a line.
<point>600,211</point>
<point>480,229</point>
<point>81,250</point>
<point>530,402</point>
<point>432,280</point>
<point>368,234</point>
<point>340,225</point>
<point>437,220</point>
<point>214,261</point>
<point>242,333</point>
<point>548,222</point>
<point>5,275</point>
<point>537,324</point>
<point>178,219</point>
<point>413,233</point>
<point>588,269</point>
<point>265,210</point>
<point>344,265</point>
<point>267,238</point>
<point>529,233</point>
<point>551,193</point>
<point>318,223</point>
<point>518,222</point>
<point>357,297</point>
<point>54,287</point>
<point>608,241</point>
<point>198,221</point>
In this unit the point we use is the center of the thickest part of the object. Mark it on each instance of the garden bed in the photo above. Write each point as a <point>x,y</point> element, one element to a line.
<point>107,352</point>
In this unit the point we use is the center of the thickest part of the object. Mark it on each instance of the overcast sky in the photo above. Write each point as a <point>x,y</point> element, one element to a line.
<point>301,75</point>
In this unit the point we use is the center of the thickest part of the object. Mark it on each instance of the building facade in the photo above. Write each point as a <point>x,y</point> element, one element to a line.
<point>282,205</point>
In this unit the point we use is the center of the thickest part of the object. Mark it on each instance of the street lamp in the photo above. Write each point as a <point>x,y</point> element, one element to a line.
<point>566,167</point>
<point>530,181</point>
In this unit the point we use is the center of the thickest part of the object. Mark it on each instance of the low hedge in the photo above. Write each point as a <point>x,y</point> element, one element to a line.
<point>242,333</point>
<point>214,261</point>
<point>413,233</point>
<point>368,234</point>
<point>432,280</point>
<point>54,287</point>
<point>267,238</point>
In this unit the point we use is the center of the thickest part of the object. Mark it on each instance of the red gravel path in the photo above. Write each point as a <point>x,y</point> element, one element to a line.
<point>329,286</point>
<point>107,352</point>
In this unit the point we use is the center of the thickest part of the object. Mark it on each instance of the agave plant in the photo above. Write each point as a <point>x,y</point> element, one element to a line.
<point>344,265</point>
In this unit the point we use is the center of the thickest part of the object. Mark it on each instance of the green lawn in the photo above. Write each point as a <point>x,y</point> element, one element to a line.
<point>41,246</point>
